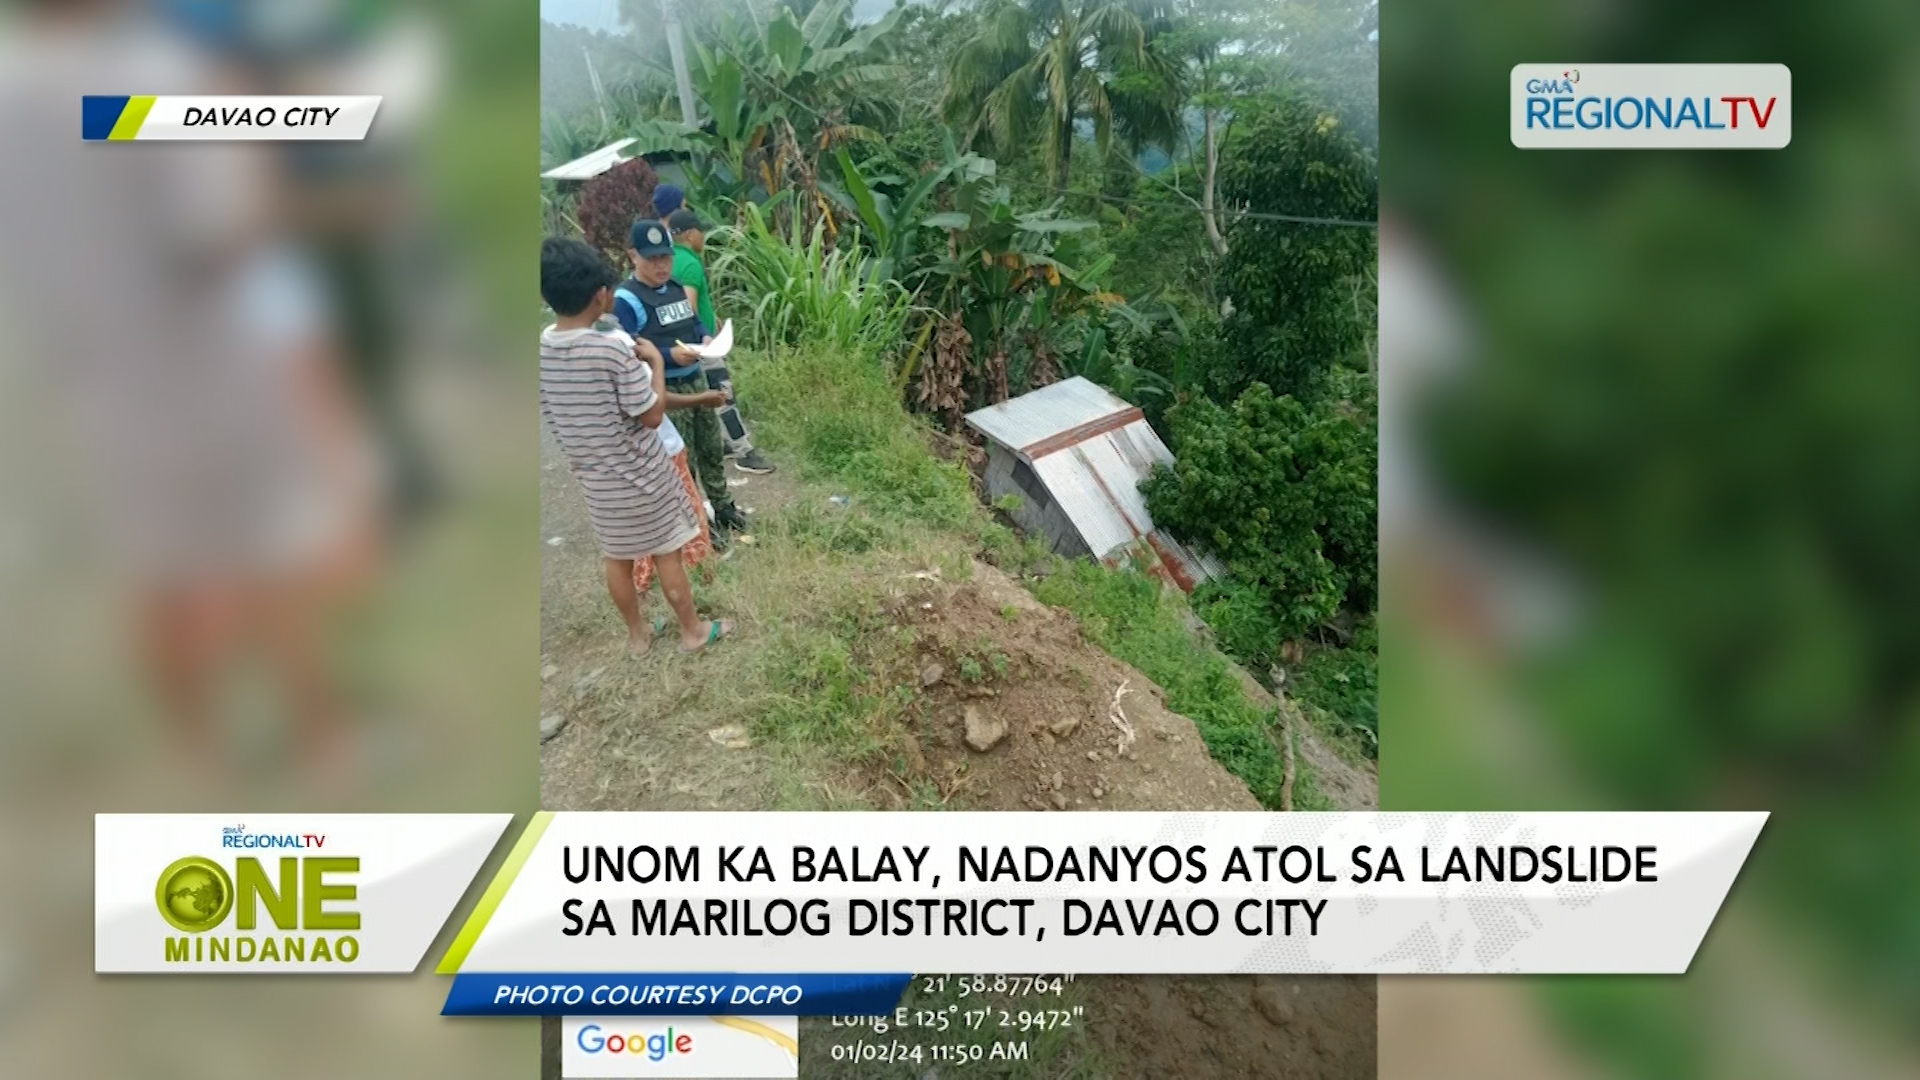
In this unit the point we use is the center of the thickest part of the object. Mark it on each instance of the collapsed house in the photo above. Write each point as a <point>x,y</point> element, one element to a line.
<point>1073,456</point>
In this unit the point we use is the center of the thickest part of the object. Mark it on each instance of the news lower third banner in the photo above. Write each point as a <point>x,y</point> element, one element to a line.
<point>150,117</point>
<point>781,914</point>
<point>588,902</point>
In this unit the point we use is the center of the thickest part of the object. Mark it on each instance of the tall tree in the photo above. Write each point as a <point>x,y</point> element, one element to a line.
<point>1229,51</point>
<point>1218,51</point>
<point>1047,64</point>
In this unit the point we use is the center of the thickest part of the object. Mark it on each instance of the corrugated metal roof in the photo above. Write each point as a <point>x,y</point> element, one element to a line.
<point>1188,569</point>
<point>1097,483</point>
<point>591,165</point>
<point>1018,423</point>
<point>1093,470</point>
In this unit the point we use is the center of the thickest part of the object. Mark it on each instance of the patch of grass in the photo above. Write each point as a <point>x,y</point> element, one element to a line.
<point>1340,688</point>
<point>1336,686</point>
<point>840,416</point>
<point>1306,790</point>
<point>824,665</point>
<point>815,669</point>
<point>1126,613</point>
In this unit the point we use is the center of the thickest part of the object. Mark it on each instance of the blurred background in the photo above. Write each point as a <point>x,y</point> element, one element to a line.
<point>268,471</point>
<point>1650,492</point>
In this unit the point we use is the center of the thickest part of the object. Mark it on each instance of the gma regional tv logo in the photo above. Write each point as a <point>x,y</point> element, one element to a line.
<point>1651,106</point>
<point>265,909</point>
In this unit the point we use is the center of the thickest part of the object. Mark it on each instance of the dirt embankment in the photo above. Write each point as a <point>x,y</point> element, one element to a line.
<point>1056,725</point>
<point>1018,712</point>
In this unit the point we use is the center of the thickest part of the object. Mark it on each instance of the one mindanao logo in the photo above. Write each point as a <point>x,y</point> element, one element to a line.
<point>297,912</point>
<point>194,894</point>
<point>1651,106</point>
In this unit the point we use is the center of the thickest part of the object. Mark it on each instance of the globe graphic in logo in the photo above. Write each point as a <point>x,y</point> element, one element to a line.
<point>194,894</point>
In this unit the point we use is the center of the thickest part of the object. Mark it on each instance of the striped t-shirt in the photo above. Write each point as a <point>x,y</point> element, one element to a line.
<point>592,391</point>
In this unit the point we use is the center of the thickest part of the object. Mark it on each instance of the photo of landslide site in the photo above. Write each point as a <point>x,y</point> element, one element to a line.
<point>1040,475</point>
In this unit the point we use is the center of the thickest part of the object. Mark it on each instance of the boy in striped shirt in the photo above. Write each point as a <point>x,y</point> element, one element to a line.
<point>604,398</point>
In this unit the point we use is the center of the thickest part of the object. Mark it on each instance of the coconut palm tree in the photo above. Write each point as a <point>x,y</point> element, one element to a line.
<point>1040,66</point>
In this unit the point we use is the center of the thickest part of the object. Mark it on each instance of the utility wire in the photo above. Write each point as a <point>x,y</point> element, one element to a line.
<point>1258,215</point>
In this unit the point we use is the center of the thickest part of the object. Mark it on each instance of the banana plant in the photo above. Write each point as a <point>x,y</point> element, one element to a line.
<point>780,92</point>
<point>998,273</point>
<point>892,224</point>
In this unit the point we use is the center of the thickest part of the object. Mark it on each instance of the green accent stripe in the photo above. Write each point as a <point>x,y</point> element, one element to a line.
<point>131,118</point>
<point>496,891</point>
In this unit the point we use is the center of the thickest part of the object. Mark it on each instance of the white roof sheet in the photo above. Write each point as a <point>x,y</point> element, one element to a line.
<point>591,165</point>
<point>1097,483</point>
<point>1020,422</point>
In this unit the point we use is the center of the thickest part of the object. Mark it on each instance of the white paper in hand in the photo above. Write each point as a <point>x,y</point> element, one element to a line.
<point>721,345</point>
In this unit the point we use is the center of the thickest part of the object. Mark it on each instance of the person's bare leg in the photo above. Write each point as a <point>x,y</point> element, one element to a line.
<point>180,648</point>
<point>620,587</point>
<point>292,617</point>
<point>694,631</point>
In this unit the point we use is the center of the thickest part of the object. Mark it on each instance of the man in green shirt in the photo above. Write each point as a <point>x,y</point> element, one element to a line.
<point>689,242</point>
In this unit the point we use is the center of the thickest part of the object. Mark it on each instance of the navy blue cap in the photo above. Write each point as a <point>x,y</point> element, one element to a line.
<point>649,236</point>
<point>666,199</point>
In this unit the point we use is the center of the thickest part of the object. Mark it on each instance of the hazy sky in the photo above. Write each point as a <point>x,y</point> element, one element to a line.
<point>601,14</point>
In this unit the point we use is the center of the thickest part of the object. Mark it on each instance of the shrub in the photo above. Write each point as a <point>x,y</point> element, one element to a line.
<point>609,203</point>
<point>1344,685</point>
<point>1284,494</point>
<point>1241,619</point>
<point>1293,285</point>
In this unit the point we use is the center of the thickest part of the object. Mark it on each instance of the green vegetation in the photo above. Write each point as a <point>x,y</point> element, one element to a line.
<point>795,288</point>
<point>1340,688</point>
<point>1179,207</point>
<point>1285,495</point>
<point>1302,295</point>
<point>833,675</point>
<point>1703,427</point>
<point>1038,67</point>
<point>839,415</point>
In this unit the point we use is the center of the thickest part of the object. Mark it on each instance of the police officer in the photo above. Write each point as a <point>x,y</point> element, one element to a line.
<point>689,245</point>
<point>651,305</point>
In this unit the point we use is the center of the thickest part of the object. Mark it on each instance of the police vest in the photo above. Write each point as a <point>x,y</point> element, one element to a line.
<point>670,317</point>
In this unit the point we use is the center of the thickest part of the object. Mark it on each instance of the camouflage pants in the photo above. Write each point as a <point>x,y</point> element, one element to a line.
<point>706,453</point>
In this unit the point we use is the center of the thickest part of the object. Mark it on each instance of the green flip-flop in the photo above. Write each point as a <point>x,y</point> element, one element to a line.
<point>716,629</point>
